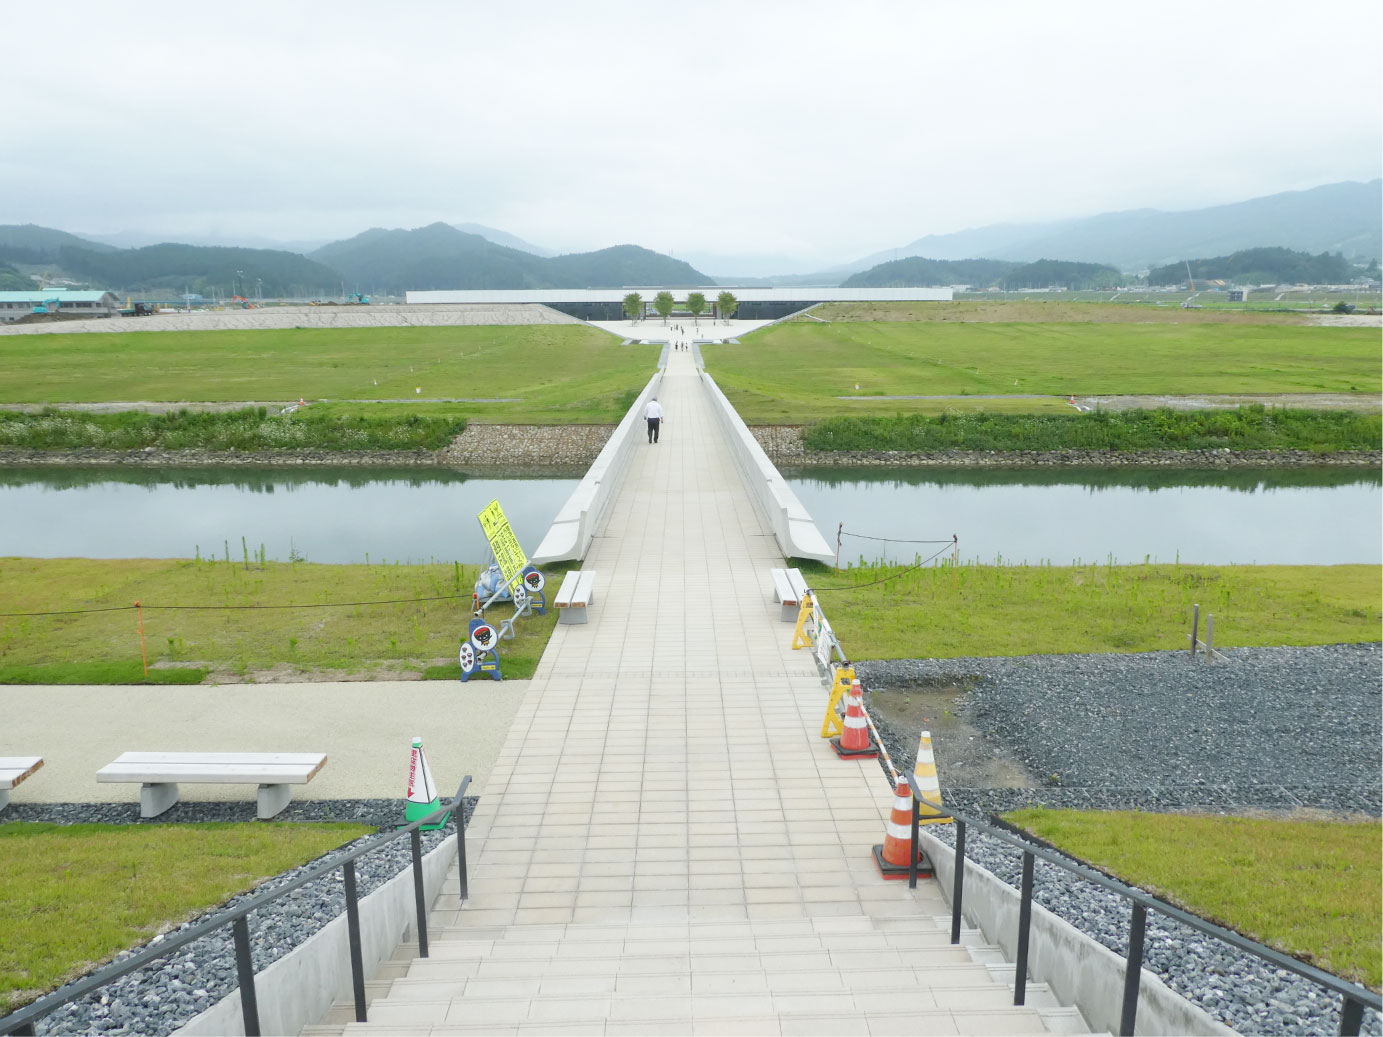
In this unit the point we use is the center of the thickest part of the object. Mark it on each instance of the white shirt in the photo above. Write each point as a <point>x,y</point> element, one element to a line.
<point>653,410</point>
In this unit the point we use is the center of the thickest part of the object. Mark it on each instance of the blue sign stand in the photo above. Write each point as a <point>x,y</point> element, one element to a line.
<point>477,654</point>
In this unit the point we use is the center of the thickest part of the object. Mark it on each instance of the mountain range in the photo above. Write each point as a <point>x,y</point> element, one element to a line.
<point>1343,217</point>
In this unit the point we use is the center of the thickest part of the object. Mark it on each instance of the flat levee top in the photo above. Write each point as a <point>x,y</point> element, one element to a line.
<point>214,767</point>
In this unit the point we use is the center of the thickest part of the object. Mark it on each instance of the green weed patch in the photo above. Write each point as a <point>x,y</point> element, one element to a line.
<point>73,896</point>
<point>1245,428</point>
<point>124,671</point>
<point>1309,888</point>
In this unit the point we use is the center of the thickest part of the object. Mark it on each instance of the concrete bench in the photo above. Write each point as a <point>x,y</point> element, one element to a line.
<point>159,773</point>
<point>574,596</point>
<point>13,770</point>
<point>788,588</point>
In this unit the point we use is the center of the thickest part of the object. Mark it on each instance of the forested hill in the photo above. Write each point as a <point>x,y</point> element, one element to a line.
<point>30,243</point>
<point>1261,266</point>
<point>201,269</point>
<point>439,256</point>
<point>916,272</point>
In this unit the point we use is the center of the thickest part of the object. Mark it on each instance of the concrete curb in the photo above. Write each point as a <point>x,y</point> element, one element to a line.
<point>299,988</point>
<point>789,519</point>
<point>570,535</point>
<point>1079,971</point>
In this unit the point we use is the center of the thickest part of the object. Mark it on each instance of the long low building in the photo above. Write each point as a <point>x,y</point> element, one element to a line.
<point>607,303</point>
<point>14,305</point>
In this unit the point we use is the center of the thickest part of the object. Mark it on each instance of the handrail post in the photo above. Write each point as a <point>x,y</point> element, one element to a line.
<point>353,928</point>
<point>461,851</point>
<point>1351,1017</point>
<point>419,896</point>
<point>1020,964</point>
<point>245,972</point>
<point>1133,969</point>
<point>912,853</point>
<point>958,882</point>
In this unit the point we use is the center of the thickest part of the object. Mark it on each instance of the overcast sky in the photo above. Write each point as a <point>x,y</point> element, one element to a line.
<point>819,131</point>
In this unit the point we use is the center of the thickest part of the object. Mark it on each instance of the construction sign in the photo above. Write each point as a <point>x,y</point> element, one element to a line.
<point>503,542</point>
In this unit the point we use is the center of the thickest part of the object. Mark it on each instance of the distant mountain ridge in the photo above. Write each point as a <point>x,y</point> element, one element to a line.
<point>439,256</point>
<point>1345,217</point>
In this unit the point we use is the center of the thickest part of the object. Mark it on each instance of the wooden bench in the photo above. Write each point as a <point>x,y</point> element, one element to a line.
<point>788,588</point>
<point>159,773</point>
<point>574,596</point>
<point>13,770</point>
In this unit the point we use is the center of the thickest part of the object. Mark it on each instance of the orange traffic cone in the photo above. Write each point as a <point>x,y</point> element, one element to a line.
<point>892,856</point>
<point>854,742</point>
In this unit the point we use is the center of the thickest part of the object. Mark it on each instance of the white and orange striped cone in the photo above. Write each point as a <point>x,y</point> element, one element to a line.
<point>928,783</point>
<point>854,742</point>
<point>421,798</point>
<point>892,855</point>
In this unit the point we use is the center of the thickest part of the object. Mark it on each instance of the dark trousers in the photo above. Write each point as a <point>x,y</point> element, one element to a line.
<point>653,424</point>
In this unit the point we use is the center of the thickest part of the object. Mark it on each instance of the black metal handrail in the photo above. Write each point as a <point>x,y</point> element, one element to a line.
<point>21,1022</point>
<point>1355,998</point>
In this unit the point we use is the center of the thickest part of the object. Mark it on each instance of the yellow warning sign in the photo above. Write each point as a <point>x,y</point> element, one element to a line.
<point>831,725</point>
<point>802,636</point>
<point>503,542</point>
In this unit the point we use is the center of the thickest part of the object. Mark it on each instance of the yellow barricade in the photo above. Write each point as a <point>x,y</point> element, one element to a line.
<point>802,637</point>
<point>832,725</point>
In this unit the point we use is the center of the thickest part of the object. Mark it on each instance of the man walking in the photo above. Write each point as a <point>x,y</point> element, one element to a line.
<point>654,413</point>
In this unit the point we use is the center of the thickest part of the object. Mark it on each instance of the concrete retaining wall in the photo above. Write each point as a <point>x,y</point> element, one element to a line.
<point>297,990</point>
<point>570,535</point>
<point>792,525</point>
<point>1080,971</point>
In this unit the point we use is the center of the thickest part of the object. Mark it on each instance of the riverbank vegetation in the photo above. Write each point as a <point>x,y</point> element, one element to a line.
<point>240,629</point>
<point>247,429</point>
<point>796,373</point>
<point>1307,887</point>
<point>115,886</point>
<point>1245,428</point>
<point>539,373</point>
<point>943,612</point>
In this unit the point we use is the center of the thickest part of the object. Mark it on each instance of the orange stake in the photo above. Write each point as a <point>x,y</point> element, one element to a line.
<point>142,651</point>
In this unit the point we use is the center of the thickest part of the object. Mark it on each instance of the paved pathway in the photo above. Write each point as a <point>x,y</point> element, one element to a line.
<point>665,843</point>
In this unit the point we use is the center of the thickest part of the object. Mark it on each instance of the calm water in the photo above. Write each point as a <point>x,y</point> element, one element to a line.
<point>324,515</point>
<point>1287,517</point>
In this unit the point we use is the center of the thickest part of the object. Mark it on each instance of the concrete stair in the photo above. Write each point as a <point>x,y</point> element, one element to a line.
<point>825,975</point>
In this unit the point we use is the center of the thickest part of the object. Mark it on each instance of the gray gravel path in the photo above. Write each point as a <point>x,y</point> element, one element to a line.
<point>1270,729</point>
<point>161,997</point>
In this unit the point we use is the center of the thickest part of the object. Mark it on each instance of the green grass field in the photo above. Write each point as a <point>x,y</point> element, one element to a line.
<point>793,372</point>
<point>1309,888</point>
<point>72,896</point>
<point>559,373</point>
<point>100,647</point>
<point>985,610</point>
<point>1066,308</point>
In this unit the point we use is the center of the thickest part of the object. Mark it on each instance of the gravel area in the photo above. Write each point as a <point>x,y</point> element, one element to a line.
<point>1269,729</point>
<point>164,995</point>
<point>526,445</point>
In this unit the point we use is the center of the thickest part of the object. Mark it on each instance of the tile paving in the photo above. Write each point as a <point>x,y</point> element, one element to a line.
<point>665,843</point>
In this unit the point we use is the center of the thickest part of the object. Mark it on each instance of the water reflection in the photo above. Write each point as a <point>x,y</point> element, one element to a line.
<point>1303,516</point>
<point>323,515</point>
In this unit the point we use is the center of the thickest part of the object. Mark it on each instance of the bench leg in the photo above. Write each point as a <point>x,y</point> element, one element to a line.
<point>571,616</point>
<point>789,613</point>
<point>272,799</point>
<point>156,797</point>
<point>4,798</point>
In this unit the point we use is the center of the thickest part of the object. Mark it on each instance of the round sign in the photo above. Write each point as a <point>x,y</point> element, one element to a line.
<point>534,580</point>
<point>484,637</point>
<point>467,656</point>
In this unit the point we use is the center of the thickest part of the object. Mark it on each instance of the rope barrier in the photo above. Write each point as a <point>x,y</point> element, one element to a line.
<point>883,750</point>
<point>236,608</point>
<point>895,540</point>
<point>904,572</point>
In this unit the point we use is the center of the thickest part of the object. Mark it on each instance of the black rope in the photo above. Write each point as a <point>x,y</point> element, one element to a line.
<point>875,583</point>
<point>237,608</point>
<point>895,540</point>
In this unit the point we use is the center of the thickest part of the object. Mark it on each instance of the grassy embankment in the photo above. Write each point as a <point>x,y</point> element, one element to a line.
<point>1245,428</point>
<point>1092,307</point>
<point>72,896</point>
<point>187,646</point>
<point>983,610</point>
<point>1310,888</point>
<point>545,374</point>
<point>793,373</point>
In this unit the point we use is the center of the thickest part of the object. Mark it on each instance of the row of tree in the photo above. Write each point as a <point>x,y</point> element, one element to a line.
<point>664,304</point>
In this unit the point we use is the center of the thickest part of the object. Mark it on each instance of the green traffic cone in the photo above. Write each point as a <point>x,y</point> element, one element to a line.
<point>421,798</point>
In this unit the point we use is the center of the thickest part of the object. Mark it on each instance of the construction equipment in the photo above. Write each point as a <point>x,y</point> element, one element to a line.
<point>357,299</point>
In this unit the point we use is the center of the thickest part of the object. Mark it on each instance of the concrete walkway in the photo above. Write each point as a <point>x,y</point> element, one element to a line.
<point>665,843</point>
